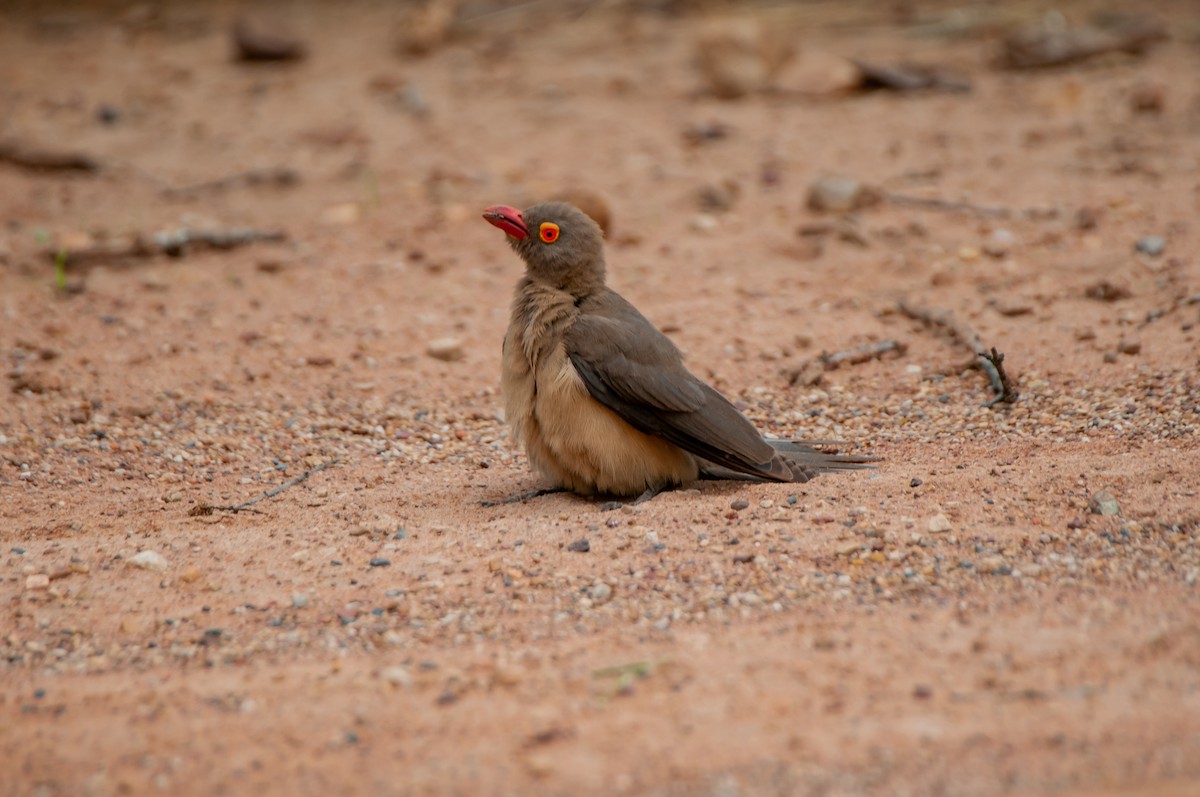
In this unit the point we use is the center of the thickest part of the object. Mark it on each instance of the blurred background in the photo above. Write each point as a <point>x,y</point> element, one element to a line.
<point>261,185</point>
<point>241,246</point>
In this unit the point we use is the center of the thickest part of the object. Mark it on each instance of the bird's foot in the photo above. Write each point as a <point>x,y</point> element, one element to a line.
<point>609,506</point>
<point>516,499</point>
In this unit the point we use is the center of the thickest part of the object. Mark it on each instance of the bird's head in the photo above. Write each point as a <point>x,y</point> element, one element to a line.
<point>560,244</point>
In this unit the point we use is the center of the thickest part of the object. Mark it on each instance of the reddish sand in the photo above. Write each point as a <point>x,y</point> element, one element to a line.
<point>956,622</point>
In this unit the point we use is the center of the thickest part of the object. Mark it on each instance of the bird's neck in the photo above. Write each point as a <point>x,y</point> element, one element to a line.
<point>578,284</point>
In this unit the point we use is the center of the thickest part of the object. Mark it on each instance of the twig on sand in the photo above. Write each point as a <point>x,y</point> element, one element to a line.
<point>1005,392</point>
<point>862,354</point>
<point>1159,312</point>
<point>279,177</point>
<point>38,158</point>
<point>245,506</point>
<point>934,203</point>
<point>1036,48</point>
<point>174,243</point>
<point>990,360</point>
<point>812,372</point>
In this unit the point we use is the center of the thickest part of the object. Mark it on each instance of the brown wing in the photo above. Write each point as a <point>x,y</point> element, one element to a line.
<point>634,370</point>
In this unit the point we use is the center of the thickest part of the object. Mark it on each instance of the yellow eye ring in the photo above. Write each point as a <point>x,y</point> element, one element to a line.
<point>548,232</point>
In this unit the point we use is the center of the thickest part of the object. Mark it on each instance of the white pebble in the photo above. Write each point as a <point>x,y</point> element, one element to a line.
<point>397,676</point>
<point>939,524</point>
<point>600,592</point>
<point>445,349</point>
<point>999,243</point>
<point>148,560</point>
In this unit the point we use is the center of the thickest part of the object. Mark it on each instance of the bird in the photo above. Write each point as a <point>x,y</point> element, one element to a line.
<point>599,398</point>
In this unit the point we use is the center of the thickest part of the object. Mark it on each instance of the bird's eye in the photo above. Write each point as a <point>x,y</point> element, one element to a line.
<point>548,232</point>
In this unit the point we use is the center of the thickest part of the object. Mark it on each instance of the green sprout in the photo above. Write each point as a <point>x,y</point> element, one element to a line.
<point>60,269</point>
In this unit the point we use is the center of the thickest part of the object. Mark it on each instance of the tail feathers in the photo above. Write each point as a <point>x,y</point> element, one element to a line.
<point>801,459</point>
<point>806,461</point>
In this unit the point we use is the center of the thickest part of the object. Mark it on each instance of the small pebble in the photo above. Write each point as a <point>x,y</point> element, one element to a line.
<point>1103,504</point>
<point>999,243</point>
<point>580,545</point>
<point>1129,347</point>
<point>915,483</point>
<point>840,194</point>
<point>739,504</point>
<point>300,600</point>
<point>939,524</point>
<point>445,349</point>
<point>1152,245</point>
<point>108,114</point>
<point>412,100</point>
<point>397,676</point>
<point>1148,98</point>
<point>265,40</point>
<point>1105,291</point>
<point>600,592</point>
<point>148,560</point>
<point>37,581</point>
<point>994,565</point>
<point>379,561</point>
<point>718,197</point>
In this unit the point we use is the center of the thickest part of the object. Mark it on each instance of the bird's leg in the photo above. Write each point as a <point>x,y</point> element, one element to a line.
<point>649,494</point>
<point>608,506</point>
<point>516,499</point>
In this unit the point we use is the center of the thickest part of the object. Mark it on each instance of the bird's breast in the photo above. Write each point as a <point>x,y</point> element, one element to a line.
<point>568,436</point>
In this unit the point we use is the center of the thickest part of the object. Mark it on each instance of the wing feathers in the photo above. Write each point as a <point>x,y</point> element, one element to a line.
<point>634,370</point>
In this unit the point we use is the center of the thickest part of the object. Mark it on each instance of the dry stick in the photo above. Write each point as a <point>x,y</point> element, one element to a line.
<point>167,242</point>
<point>208,509</point>
<point>277,176</point>
<point>1007,393</point>
<point>946,204</point>
<point>32,157</point>
<point>491,16</point>
<point>809,373</point>
<point>280,177</point>
<point>991,362</point>
<point>861,354</point>
<point>1180,301</point>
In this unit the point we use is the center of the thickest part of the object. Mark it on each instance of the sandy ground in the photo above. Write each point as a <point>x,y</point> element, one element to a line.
<point>956,622</point>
